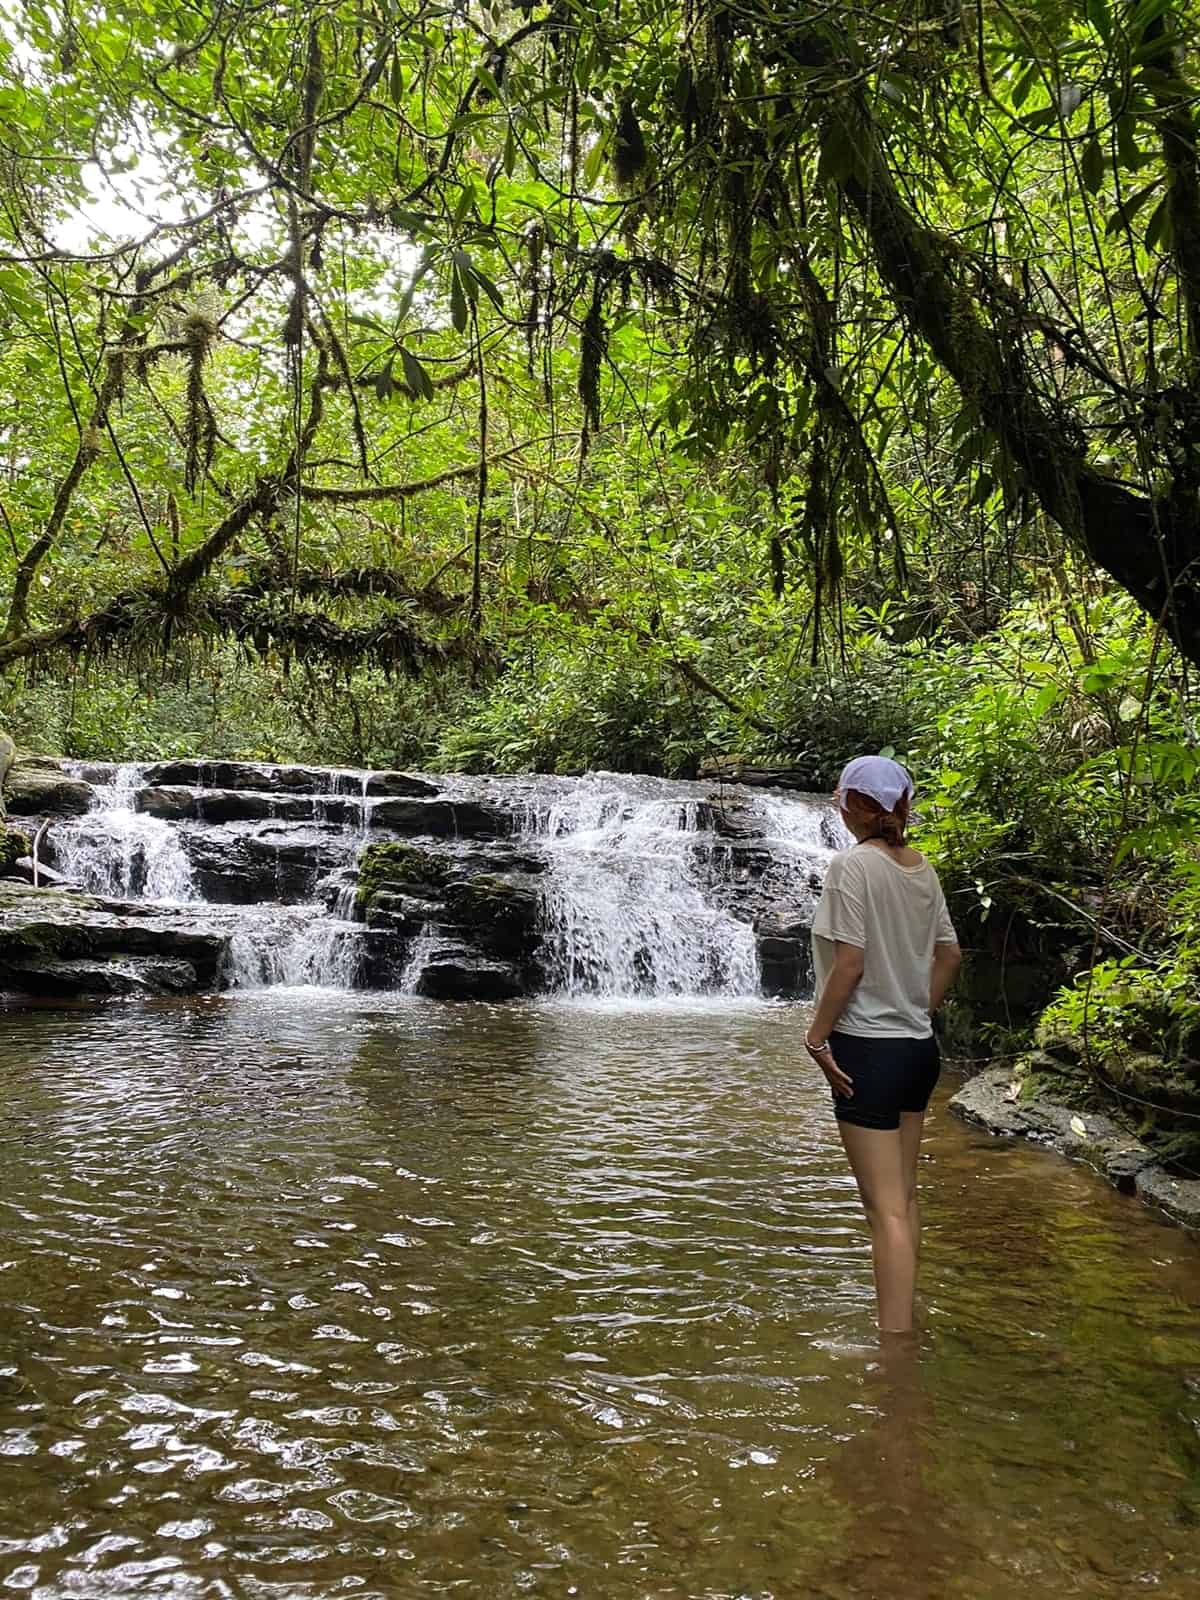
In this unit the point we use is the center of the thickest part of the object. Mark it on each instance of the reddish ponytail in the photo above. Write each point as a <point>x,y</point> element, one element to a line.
<point>890,826</point>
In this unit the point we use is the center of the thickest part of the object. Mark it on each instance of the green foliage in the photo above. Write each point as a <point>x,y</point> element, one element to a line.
<point>875,699</point>
<point>576,711</point>
<point>1125,1007</point>
<point>1030,764</point>
<point>13,845</point>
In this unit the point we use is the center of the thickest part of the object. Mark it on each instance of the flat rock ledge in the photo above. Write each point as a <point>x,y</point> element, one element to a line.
<point>1127,1164</point>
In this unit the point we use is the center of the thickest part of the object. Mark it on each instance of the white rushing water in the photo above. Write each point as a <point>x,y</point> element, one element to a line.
<point>118,851</point>
<point>648,890</point>
<point>292,946</point>
<point>420,955</point>
<point>626,899</point>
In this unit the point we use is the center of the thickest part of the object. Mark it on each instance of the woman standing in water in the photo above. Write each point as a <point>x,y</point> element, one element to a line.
<point>885,954</point>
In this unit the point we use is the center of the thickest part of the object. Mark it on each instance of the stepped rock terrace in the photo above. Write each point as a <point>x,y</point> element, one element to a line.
<point>184,876</point>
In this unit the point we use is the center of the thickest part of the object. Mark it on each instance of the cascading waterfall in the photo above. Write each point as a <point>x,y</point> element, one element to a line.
<point>424,947</point>
<point>291,947</point>
<point>634,887</point>
<point>626,904</point>
<point>119,851</point>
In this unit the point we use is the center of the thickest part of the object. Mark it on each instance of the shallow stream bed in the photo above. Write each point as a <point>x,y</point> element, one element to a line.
<point>307,1293</point>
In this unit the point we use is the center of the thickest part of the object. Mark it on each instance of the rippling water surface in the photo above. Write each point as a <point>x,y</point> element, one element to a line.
<point>308,1294</point>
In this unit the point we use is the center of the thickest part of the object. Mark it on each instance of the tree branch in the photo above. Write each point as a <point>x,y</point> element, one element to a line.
<point>1150,546</point>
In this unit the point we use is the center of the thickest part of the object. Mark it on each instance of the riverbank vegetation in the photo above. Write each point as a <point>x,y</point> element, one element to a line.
<point>677,387</point>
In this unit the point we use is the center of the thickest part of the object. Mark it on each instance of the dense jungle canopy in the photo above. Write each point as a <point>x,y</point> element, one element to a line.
<point>898,269</point>
<point>545,385</point>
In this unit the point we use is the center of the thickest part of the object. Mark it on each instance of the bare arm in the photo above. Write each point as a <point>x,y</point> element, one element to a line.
<point>947,958</point>
<point>843,979</point>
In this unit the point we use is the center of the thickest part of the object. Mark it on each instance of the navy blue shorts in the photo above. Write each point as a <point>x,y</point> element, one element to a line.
<point>890,1076</point>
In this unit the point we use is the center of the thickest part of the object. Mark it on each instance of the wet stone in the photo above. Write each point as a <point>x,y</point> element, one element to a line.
<point>34,789</point>
<point>403,912</point>
<point>1178,1197</point>
<point>172,804</point>
<point>400,785</point>
<point>233,805</point>
<point>442,818</point>
<point>500,910</point>
<point>125,976</point>
<point>468,977</point>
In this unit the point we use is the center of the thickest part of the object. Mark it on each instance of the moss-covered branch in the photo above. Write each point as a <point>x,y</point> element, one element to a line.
<point>1150,546</point>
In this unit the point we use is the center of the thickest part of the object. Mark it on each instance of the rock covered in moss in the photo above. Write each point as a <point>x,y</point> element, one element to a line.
<point>13,845</point>
<point>500,910</point>
<point>37,786</point>
<point>8,754</point>
<point>399,869</point>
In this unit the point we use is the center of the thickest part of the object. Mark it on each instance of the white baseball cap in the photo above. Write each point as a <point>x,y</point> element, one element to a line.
<point>886,781</point>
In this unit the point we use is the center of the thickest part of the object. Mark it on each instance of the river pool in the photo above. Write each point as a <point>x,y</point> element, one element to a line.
<point>307,1293</point>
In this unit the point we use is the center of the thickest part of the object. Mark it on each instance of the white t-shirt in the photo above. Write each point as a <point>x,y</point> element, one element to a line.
<point>895,915</point>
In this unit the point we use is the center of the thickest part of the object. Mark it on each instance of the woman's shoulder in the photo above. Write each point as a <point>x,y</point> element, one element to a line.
<point>908,858</point>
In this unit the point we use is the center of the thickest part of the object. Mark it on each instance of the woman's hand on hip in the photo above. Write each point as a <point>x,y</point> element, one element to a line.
<point>840,1082</point>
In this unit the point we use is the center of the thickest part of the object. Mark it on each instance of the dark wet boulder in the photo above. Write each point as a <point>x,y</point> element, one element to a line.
<point>402,913</point>
<point>171,804</point>
<point>234,805</point>
<point>259,776</point>
<point>269,778</point>
<point>443,818</point>
<point>383,957</point>
<point>97,772</point>
<point>400,785</point>
<point>499,912</point>
<point>236,865</point>
<point>56,943</point>
<point>124,976</point>
<point>463,975</point>
<point>784,947</point>
<point>732,819</point>
<point>37,786</point>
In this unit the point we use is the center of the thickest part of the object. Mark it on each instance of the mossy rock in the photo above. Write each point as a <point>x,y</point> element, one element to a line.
<point>13,845</point>
<point>1060,1044</point>
<point>399,869</point>
<point>489,899</point>
<point>8,754</point>
<point>37,786</point>
<point>1170,1084</point>
<point>30,940</point>
<point>500,911</point>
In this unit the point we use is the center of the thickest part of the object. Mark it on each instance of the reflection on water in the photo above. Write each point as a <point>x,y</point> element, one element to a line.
<point>306,1293</point>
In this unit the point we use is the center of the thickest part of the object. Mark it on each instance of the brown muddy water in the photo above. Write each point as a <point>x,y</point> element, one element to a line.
<point>307,1294</point>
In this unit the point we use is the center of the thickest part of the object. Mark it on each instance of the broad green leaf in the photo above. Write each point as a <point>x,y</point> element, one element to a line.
<point>458,301</point>
<point>1125,213</point>
<point>416,378</point>
<point>1092,165</point>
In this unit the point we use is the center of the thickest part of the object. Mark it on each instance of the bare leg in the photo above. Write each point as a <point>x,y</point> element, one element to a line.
<point>911,1124</point>
<point>877,1158</point>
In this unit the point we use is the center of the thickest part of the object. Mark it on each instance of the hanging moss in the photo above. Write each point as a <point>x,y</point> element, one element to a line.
<point>200,424</point>
<point>629,147</point>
